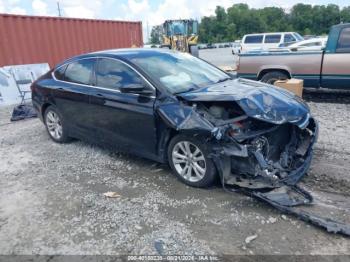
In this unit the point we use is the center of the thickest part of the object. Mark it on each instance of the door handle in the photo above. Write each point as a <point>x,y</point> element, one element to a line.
<point>100,95</point>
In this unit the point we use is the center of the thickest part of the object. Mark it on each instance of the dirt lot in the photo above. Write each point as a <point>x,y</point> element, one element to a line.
<point>51,200</point>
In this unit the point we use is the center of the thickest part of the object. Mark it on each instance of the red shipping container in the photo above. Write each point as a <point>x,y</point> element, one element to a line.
<point>41,39</point>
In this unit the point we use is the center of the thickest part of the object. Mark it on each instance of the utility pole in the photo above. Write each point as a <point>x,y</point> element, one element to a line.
<point>59,9</point>
<point>147,33</point>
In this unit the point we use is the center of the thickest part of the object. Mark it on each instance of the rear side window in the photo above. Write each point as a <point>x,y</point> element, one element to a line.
<point>344,41</point>
<point>113,74</point>
<point>253,39</point>
<point>59,73</point>
<point>312,44</point>
<point>270,39</point>
<point>289,38</point>
<point>80,72</point>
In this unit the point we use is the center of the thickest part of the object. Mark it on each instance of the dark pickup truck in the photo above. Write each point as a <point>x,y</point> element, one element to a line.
<point>329,68</point>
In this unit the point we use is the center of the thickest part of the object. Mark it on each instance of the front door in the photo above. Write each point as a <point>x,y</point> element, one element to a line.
<point>336,63</point>
<point>122,120</point>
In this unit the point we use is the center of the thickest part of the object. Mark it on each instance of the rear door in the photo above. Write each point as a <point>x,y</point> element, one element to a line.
<point>71,93</point>
<point>336,63</point>
<point>252,42</point>
<point>272,41</point>
<point>122,120</point>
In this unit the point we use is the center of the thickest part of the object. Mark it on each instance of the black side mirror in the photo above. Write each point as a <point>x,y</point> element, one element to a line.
<point>135,89</point>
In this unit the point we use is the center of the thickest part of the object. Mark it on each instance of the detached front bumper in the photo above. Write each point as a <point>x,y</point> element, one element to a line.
<point>230,157</point>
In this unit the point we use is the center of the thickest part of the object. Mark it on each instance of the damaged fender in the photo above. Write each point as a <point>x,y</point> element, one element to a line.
<point>184,117</point>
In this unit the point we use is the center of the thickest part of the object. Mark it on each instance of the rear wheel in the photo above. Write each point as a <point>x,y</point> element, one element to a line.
<point>272,77</point>
<point>188,158</point>
<point>194,50</point>
<point>165,46</point>
<point>55,125</point>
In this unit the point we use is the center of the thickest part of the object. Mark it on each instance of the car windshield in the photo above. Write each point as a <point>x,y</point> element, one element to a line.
<point>299,37</point>
<point>179,72</point>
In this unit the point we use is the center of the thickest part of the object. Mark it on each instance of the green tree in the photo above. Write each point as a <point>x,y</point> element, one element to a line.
<point>156,35</point>
<point>206,29</point>
<point>274,18</point>
<point>220,24</point>
<point>239,19</point>
<point>301,17</point>
<point>345,15</point>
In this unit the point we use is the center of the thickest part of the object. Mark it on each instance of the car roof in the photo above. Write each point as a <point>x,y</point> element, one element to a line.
<point>271,33</point>
<point>122,53</point>
<point>342,25</point>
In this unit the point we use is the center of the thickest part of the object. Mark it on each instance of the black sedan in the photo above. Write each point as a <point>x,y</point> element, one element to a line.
<point>172,107</point>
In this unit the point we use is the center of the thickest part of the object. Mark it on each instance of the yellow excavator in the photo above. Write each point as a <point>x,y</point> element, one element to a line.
<point>181,35</point>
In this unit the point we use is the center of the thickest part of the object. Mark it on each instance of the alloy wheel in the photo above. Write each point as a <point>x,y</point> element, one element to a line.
<point>189,161</point>
<point>54,125</point>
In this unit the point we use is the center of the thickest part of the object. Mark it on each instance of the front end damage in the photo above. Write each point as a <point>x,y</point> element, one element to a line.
<point>268,157</point>
<point>254,155</point>
<point>248,152</point>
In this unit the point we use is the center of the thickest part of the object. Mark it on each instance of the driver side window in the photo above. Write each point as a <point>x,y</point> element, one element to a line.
<point>113,74</point>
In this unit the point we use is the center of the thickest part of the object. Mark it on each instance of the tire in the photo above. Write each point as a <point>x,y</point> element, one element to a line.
<point>272,77</point>
<point>55,126</point>
<point>202,172</point>
<point>165,46</point>
<point>194,50</point>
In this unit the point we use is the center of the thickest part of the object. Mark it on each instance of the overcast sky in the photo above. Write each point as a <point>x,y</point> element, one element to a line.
<point>151,12</point>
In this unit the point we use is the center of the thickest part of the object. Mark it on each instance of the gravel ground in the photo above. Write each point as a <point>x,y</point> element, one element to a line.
<point>51,200</point>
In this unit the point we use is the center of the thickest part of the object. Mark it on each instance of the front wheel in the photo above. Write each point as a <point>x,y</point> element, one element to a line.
<point>188,158</point>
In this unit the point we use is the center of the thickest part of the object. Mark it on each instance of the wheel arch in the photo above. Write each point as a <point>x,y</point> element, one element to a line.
<point>269,70</point>
<point>44,107</point>
<point>165,137</point>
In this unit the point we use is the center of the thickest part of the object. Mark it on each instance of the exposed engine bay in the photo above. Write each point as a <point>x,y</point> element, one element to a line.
<point>268,153</point>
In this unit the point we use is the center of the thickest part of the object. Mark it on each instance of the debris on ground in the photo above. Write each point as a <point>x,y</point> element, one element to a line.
<point>250,238</point>
<point>23,111</point>
<point>294,197</point>
<point>159,246</point>
<point>138,227</point>
<point>272,220</point>
<point>111,194</point>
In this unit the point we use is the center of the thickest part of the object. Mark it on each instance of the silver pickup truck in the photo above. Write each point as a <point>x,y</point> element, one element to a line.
<point>329,68</point>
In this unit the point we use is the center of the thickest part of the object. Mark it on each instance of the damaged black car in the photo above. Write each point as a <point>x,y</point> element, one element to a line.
<point>172,107</point>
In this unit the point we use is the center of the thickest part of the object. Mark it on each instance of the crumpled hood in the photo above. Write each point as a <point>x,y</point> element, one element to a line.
<point>257,100</point>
